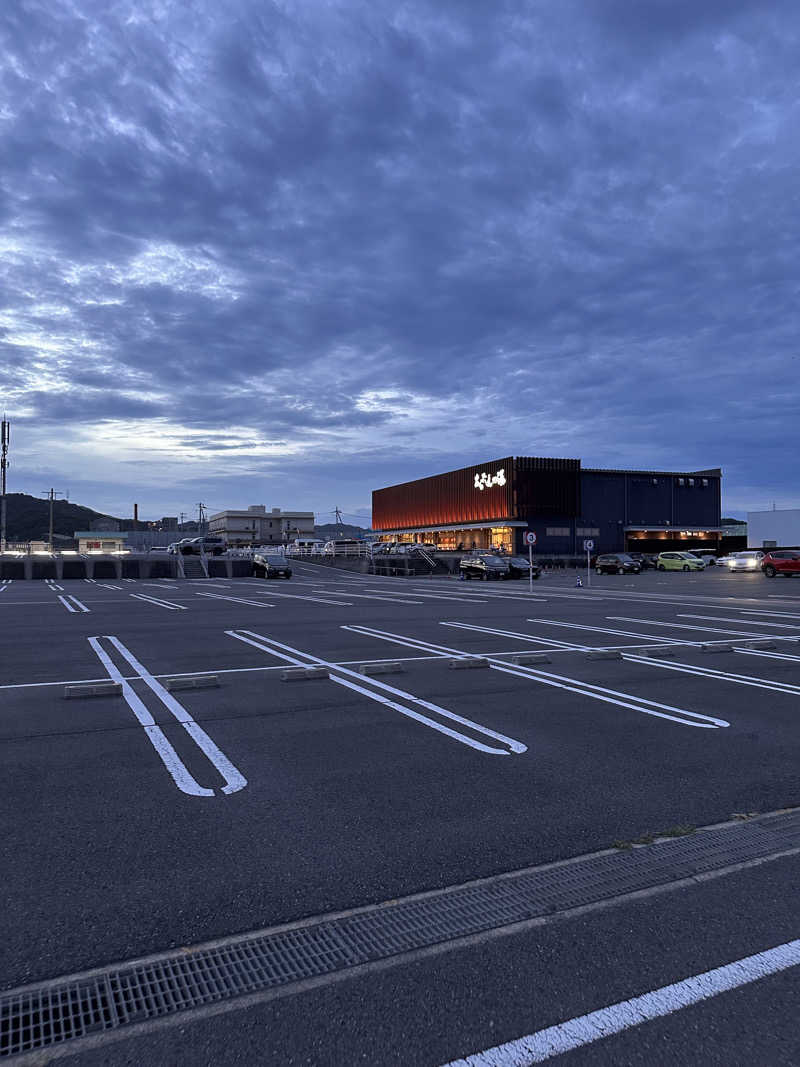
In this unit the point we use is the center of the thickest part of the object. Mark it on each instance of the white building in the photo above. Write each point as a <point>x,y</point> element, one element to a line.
<point>257,526</point>
<point>774,529</point>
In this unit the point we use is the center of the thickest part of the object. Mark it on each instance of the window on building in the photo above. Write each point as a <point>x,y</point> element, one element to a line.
<point>681,481</point>
<point>557,531</point>
<point>588,531</point>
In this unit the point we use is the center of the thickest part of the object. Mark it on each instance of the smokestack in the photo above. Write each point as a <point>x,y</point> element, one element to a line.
<point>135,516</point>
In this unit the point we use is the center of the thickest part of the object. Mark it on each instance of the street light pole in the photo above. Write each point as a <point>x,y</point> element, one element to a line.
<point>4,438</point>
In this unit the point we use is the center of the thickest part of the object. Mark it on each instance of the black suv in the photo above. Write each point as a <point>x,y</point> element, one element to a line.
<point>518,567</point>
<point>271,567</point>
<point>617,563</point>
<point>484,567</point>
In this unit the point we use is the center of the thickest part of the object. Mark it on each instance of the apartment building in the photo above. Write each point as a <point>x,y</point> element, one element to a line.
<point>257,526</point>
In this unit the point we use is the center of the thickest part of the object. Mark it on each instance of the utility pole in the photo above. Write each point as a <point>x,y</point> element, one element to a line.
<point>338,513</point>
<point>4,436</point>
<point>181,519</point>
<point>51,494</point>
<point>201,517</point>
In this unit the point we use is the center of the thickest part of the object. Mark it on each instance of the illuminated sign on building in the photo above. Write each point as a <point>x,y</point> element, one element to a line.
<point>486,481</point>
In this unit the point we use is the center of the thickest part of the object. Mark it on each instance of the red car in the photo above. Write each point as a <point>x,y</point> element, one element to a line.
<point>785,562</point>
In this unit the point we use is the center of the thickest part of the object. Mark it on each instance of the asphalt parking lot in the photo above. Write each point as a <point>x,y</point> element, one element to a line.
<point>166,817</point>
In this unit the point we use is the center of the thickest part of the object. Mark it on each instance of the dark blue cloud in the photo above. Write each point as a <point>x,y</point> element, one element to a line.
<point>398,240</point>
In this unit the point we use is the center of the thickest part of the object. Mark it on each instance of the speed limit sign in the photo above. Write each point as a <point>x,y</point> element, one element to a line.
<point>588,546</point>
<point>530,538</point>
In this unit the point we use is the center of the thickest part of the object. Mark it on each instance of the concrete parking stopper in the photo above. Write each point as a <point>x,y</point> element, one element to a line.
<point>92,689</point>
<point>604,653</point>
<point>393,667</point>
<point>302,674</point>
<point>192,681</point>
<point>713,647</point>
<point>525,659</point>
<point>468,663</point>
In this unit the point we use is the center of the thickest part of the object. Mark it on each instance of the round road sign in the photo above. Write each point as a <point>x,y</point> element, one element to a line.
<point>588,546</point>
<point>530,538</point>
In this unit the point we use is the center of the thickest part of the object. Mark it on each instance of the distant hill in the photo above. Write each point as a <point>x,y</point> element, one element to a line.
<point>330,531</point>
<point>28,517</point>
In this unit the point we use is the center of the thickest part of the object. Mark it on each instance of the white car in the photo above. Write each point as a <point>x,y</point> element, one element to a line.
<point>708,558</point>
<point>745,561</point>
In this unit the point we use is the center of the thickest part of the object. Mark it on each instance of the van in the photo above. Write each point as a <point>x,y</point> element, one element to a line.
<point>345,546</point>
<point>306,545</point>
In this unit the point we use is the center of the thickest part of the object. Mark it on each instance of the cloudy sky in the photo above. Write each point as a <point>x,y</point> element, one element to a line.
<point>287,252</point>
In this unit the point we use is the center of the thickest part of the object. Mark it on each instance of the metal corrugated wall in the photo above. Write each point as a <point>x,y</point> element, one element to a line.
<point>445,498</point>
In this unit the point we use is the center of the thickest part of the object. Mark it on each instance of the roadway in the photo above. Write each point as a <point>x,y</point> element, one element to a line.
<point>160,818</point>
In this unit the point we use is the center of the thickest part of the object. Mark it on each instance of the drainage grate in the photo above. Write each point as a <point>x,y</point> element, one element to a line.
<point>51,1013</point>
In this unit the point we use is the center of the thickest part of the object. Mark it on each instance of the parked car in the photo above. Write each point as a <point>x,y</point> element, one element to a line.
<point>271,566</point>
<point>380,548</point>
<point>483,566</point>
<point>518,567</point>
<point>643,560</point>
<point>175,547</point>
<point>709,558</point>
<point>158,548</point>
<point>724,561</point>
<point>195,546</point>
<point>617,563</point>
<point>745,561</point>
<point>679,561</point>
<point>785,561</point>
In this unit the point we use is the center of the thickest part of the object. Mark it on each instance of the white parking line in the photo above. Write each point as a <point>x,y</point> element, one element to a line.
<point>92,581</point>
<point>342,675</point>
<point>768,655</point>
<point>237,600</point>
<point>234,780</point>
<point>366,596</point>
<point>104,585</point>
<point>725,676</point>
<point>605,630</point>
<point>72,604</point>
<point>159,603</point>
<point>313,599</point>
<point>438,596</point>
<point>52,585</point>
<point>559,681</point>
<point>776,614</point>
<point>760,622</point>
<point>516,636</point>
<point>686,626</point>
<point>585,1029</point>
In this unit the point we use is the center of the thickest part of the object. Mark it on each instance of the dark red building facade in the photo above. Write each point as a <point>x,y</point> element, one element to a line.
<point>493,504</point>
